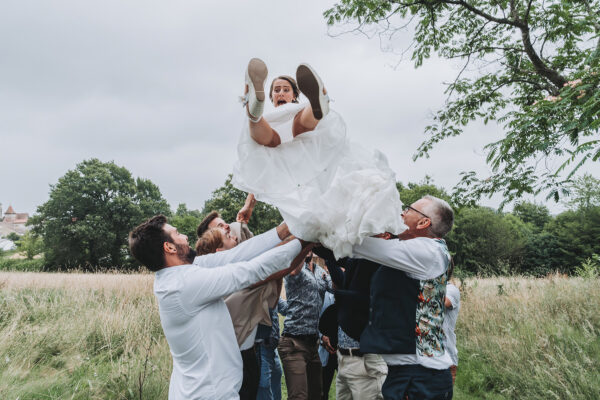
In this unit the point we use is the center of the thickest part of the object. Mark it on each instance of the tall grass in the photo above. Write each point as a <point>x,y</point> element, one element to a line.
<point>98,336</point>
<point>81,337</point>
<point>529,339</point>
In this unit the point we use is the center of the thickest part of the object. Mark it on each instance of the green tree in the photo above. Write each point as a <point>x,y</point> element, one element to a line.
<point>89,214</point>
<point>576,233</point>
<point>15,237</point>
<point>186,221</point>
<point>414,191</point>
<point>530,65</point>
<point>537,215</point>
<point>31,245</point>
<point>228,200</point>
<point>584,193</point>
<point>487,242</point>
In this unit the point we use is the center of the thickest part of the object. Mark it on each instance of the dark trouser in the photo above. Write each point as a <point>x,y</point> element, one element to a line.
<point>417,383</point>
<point>301,367</point>
<point>249,387</point>
<point>328,372</point>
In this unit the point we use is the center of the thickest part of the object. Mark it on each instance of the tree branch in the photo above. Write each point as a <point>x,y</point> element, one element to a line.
<point>553,76</point>
<point>489,17</point>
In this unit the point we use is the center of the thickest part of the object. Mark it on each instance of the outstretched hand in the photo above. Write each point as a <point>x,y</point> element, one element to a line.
<point>243,216</point>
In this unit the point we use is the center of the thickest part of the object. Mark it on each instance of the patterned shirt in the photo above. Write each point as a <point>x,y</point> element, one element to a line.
<point>345,341</point>
<point>305,292</point>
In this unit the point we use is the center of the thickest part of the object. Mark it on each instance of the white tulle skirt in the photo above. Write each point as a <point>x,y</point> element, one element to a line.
<point>327,189</point>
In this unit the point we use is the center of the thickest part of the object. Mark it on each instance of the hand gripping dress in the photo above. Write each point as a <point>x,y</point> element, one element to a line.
<point>327,189</point>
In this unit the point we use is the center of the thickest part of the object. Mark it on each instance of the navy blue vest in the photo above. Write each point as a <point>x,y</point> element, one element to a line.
<point>406,315</point>
<point>391,327</point>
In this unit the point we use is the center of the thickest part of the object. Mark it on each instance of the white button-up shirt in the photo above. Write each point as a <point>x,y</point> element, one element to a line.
<point>206,357</point>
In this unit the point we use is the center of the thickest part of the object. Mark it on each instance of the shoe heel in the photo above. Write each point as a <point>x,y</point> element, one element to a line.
<point>257,73</point>
<point>311,86</point>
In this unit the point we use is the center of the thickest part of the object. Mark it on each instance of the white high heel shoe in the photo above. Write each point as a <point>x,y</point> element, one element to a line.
<point>256,74</point>
<point>312,87</point>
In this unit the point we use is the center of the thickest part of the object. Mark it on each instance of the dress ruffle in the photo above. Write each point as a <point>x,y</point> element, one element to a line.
<point>327,189</point>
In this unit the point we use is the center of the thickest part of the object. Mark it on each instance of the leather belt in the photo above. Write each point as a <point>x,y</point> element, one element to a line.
<point>308,338</point>
<point>351,352</point>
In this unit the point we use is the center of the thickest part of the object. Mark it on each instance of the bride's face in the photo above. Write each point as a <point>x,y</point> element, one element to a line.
<point>282,92</point>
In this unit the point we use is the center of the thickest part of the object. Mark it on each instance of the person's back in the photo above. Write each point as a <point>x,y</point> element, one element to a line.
<point>195,372</point>
<point>197,326</point>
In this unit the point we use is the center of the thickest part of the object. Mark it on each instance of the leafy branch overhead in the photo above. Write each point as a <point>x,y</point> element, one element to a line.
<point>530,65</point>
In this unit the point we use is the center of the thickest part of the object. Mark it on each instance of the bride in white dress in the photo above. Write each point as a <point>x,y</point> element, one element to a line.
<point>298,158</point>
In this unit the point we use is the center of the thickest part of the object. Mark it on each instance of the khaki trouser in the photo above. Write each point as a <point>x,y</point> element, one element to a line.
<point>360,377</point>
<point>301,367</point>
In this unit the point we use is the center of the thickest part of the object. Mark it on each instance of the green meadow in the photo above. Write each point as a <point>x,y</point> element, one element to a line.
<point>98,336</point>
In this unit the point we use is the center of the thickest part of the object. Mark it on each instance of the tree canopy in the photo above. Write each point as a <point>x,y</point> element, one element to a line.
<point>531,65</point>
<point>85,222</point>
<point>227,200</point>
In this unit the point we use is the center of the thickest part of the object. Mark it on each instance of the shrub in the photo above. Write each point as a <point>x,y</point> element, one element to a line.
<point>590,268</point>
<point>35,265</point>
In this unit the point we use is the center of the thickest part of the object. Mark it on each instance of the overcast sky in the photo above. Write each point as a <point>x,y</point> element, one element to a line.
<point>154,86</point>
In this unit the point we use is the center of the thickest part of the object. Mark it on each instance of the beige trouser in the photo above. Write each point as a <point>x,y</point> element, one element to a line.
<point>360,377</point>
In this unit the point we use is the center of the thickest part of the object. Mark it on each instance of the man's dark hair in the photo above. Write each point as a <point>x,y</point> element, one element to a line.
<point>146,242</point>
<point>203,227</point>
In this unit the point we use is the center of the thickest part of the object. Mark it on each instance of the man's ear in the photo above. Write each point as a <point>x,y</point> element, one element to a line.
<point>424,223</point>
<point>169,248</point>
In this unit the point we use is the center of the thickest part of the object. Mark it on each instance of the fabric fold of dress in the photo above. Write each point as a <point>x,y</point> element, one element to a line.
<point>327,188</point>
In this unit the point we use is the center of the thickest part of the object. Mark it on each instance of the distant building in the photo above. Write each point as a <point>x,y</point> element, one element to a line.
<point>7,245</point>
<point>11,221</point>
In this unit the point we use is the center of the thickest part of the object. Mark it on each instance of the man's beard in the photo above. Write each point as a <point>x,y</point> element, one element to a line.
<point>185,253</point>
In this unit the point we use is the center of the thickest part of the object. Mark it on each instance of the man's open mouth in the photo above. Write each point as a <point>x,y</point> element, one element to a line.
<point>280,102</point>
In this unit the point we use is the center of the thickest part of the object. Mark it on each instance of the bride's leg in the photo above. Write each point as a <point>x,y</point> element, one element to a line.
<point>260,130</point>
<point>262,133</point>
<point>304,121</point>
<point>312,87</point>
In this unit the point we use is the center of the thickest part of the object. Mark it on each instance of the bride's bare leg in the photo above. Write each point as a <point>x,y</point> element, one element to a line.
<point>262,133</point>
<point>260,130</point>
<point>312,87</point>
<point>304,121</point>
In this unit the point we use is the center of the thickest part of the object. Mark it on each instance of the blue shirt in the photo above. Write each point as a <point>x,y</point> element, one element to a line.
<point>305,292</point>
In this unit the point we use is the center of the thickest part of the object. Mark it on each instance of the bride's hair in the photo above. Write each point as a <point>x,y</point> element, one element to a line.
<point>292,82</point>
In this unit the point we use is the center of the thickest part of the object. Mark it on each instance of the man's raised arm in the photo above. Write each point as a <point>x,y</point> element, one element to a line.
<point>246,250</point>
<point>204,285</point>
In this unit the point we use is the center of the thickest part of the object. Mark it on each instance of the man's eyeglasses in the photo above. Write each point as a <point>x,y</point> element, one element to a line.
<point>406,207</point>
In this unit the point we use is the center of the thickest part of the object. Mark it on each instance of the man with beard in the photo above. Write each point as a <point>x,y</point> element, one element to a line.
<point>195,320</point>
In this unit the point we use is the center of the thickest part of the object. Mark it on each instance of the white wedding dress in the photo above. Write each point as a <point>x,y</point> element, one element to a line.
<point>327,189</point>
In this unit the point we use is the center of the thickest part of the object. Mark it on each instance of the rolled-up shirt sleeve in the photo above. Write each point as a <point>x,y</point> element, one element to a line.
<point>453,294</point>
